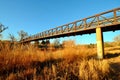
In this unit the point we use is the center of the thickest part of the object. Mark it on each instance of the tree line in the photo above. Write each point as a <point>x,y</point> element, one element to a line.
<point>44,44</point>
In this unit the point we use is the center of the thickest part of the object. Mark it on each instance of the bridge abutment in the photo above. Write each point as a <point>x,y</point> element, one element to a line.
<point>100,43</point>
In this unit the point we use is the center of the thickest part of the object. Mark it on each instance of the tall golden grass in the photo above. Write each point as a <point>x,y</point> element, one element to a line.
<point>71,63</point>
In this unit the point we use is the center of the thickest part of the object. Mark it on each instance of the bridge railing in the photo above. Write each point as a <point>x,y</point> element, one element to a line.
<point>99,20</point>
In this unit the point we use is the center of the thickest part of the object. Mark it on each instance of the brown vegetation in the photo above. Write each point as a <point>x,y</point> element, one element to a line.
<point>70,63</point>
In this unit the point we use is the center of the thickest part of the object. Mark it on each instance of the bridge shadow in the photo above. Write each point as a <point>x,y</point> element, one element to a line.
<point>41,65</point>
<point>115,70</point>
<point>111,55</point>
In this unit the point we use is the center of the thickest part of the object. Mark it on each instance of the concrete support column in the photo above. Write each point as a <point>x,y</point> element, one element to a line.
<point>100,43</point>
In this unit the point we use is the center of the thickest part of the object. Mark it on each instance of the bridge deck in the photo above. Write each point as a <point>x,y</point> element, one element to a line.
<point>108,21</point>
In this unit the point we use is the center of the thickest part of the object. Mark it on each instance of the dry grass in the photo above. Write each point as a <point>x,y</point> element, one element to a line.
<point>94,70</point>
<point>70,63</point>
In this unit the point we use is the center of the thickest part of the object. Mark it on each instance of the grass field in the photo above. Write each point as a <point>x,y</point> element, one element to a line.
<point>70,63</point>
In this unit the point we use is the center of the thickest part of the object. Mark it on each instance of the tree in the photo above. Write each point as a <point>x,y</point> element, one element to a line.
<point>22,34</point>
<point>68,43</point>
<point>2,28</point>
<point>0,35</point>
<point>56,43</point>
<point>12,38</point>
<point>117,38</point>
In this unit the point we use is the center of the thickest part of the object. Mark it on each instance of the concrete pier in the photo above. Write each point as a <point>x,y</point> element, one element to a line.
<point>100,43</point>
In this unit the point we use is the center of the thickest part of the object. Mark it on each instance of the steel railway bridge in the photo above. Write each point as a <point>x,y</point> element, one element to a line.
<point>99,23</point>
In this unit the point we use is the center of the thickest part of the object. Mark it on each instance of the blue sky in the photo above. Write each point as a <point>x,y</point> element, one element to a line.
<point>34,16</point>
